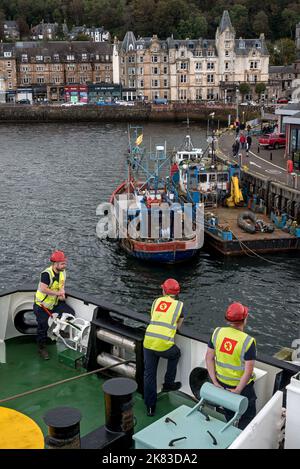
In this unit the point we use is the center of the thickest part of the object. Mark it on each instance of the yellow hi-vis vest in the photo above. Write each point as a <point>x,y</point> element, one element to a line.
<point>161,331</point>
<point>230,347</point>
<point>48,300</point>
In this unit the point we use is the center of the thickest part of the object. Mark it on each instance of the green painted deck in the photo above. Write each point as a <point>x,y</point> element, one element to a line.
<point>25,370</point>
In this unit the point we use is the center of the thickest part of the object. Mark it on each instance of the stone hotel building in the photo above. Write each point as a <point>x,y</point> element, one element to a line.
<point>190,69</point>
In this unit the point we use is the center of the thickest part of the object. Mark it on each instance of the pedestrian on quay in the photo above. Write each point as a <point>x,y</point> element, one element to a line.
<point>248,143</point>
<point>235,147</point>
<point>243,141</point>
<point>230,360</point>
<point>167,315</point>
<point>51,296</point>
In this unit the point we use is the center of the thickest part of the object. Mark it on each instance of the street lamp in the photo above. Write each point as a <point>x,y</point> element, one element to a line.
<point>211,138</point>
<point>237,103</point>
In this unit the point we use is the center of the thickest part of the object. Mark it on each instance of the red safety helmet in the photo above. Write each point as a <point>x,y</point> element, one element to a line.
<point>236,312</point>
<point>58,256</point>
<point>171,286</point>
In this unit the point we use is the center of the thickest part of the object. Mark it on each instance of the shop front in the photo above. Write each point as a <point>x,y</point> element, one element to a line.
<point>24,94</point>
<point>56,94</point>
<point>39,93</point>
<point>76,93</point>
<point>292,127</point>
<point>103,93</point>
<point>11,96</point>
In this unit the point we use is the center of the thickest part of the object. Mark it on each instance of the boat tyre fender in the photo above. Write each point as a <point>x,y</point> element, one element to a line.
<point>247,221</point>
<point>198,377</point>
<point>128,245</point>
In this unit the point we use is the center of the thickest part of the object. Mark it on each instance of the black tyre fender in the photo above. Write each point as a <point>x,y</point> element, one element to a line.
<point>247,226</point>
<point>198,377</point>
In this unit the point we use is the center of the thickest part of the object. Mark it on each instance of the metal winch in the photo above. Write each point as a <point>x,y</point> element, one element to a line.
<point>121,345</point>
<point>112,342</point>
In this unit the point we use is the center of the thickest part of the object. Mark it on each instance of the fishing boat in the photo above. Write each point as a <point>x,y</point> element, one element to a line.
<point>200,177</point>
<point>153,223</point>
<point>89,394</point>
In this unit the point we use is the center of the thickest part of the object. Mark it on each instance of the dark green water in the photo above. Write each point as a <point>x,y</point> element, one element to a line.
<point>52,178</point>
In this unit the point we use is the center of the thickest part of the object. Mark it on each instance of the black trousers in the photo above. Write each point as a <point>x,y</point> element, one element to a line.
<point>42,319</point>
<point>151,359</point>
<point>250,413</point>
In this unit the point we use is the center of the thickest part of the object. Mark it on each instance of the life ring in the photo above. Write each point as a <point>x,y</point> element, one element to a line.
<point>243,221</point>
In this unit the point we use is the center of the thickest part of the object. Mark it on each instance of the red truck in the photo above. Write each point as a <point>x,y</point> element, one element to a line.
<point>272,141</point>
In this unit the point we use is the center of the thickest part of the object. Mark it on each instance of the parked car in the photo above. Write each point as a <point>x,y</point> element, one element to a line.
<point>160,101</point>
<point>272,141</point>
<point>282,101</point>
<point>23,101</point>
<point>248,103</point>
<point>124,103</point>
<point>69,103</point>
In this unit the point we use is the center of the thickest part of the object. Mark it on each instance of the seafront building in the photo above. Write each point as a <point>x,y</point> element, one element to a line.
<point>191,69</point>
<point>143,68</point>
<point>41,70</point>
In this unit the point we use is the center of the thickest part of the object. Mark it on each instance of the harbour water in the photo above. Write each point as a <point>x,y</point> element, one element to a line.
<point>52,178</point>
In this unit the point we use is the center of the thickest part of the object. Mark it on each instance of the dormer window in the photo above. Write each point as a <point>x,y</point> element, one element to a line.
<point>258,44</point>
<point>84,56</point>
<point>241,44</point>
<point>56,57</point>
<point>70,57</point>
<point>7,54</point>
<point>39,58</point>
<point>24,58</point>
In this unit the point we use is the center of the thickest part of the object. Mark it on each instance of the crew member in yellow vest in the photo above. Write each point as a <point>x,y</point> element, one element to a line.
<point>50,294</point>
<point>166,317</point>
<point>230,359</point>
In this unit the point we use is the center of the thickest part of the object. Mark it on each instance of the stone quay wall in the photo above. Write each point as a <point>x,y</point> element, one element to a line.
<point>173,112</point>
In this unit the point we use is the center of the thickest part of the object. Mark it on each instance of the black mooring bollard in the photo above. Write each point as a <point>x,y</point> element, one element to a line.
<point>258,149</point>
<point>119,406</point>
<point>271,156</point>
<point>63,428</point>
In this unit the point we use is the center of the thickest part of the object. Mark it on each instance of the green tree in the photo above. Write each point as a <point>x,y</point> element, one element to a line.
<point>244,88</point>
<point>240,21</point>
<point>2,19</point>
<point>167,16</point>
<point>260,88</point>
<point>261,23</point>
<point>60,35</point>
<point>82,37</point>
<point>194,27</point>
<point>284,52</point>
<point>23,28</point>
<point>291,16</point>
